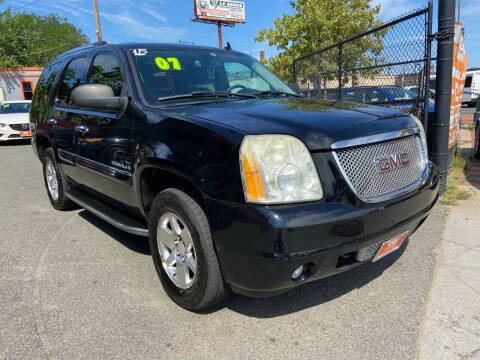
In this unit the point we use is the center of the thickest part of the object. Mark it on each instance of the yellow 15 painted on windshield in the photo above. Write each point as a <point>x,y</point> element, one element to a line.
<point>165,64</point>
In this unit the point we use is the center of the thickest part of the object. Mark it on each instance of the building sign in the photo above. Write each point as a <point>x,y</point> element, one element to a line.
<point>458,81</point>
<point>220,10</point>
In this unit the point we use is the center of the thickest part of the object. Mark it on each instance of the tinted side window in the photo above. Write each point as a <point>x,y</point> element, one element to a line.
<point>105,70</point>
<point>353,96</point>
<point>374,96</point>
<point>468,81</point>
<point>72,78</point>
<point>45,84</point>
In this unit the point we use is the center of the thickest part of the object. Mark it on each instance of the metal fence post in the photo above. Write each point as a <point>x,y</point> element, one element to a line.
<point>429,39</point>
<point>319,79</point>
<point>340,65</point>
<point>446,23</point>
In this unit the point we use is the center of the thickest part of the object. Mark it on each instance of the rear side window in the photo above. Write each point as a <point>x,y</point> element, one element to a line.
<point>105,70</point>
<point>72,78</point>
<point>45,84</point>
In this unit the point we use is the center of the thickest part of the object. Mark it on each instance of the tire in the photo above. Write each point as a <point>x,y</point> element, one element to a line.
<point>203,287</point>
<point>58,201</point>
<point>476,146</point>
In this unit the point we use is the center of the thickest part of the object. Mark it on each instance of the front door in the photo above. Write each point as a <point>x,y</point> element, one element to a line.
<point>65,119</point>
<point>104,150</point>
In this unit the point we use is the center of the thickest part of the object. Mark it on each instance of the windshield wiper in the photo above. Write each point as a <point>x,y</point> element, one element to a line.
<point>195,94</point>
<point>274,92</point>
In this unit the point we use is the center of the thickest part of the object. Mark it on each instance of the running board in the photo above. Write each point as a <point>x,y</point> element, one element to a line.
<point>107,213</point>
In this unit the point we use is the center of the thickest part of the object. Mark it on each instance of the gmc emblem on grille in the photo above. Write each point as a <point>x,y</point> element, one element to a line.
<point>394,161</point>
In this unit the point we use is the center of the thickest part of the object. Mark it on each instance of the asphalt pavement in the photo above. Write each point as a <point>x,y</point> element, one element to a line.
<point>73,287</point>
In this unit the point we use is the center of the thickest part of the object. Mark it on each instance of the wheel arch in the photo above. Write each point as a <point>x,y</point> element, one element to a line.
<point>151,179</point>
<point>42,143</point>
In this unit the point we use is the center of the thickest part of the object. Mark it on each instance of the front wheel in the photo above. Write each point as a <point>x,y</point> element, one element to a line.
<point>182,251</point>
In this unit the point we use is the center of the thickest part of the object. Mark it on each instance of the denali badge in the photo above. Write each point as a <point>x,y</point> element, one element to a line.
<point>394,161</point>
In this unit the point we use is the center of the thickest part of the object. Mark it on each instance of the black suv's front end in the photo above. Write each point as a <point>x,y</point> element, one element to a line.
<point>311,214</point>
<point>294,189</point>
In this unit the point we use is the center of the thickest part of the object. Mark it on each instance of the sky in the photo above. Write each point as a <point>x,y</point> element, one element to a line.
<point>170,21</point>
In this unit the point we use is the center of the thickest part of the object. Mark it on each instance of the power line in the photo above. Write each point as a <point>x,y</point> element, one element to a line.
<point>42,51</point>
<point>35,1</point>
<point>28,4</point>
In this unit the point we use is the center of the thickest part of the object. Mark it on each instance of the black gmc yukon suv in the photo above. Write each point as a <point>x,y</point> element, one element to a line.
<point>237,182</point>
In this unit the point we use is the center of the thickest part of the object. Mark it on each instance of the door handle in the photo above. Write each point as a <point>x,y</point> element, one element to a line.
<point>52,121</point>
<point>81,129</point>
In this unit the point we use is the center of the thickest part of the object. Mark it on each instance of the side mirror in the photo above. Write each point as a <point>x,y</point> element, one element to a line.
<point>97,96</point>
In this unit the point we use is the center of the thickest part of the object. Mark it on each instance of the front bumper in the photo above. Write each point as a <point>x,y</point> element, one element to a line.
<point>260,246</point>
<point>9,134</point>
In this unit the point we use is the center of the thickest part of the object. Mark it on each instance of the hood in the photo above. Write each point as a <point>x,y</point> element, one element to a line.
<point>14,118</point>
<point>317,123</point>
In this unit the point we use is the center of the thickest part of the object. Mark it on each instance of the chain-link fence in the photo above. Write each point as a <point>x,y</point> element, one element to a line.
<point>387,66</point>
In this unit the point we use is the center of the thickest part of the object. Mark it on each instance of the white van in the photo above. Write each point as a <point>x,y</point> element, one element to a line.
<point>472,87</point>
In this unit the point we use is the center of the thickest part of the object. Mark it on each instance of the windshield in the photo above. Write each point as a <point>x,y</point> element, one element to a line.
<point>10,108</point>
<point>169,72</point>
<point>400,93</point>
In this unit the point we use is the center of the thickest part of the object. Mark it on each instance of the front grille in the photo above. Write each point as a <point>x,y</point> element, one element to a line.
<point>20,127</point>
<point>359,165</point>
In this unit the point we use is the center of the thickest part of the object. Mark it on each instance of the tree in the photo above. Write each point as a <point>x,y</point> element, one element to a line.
<point>317,24</point>
<point>32,40</point>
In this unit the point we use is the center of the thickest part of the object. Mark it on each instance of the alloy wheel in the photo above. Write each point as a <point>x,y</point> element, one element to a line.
<point>52,181</point>
<point>176,249</point>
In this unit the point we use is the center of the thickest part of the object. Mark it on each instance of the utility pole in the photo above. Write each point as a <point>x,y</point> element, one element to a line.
<point>441,126</point>
<point>458,19</point>
<point>220,35</point>
<point>97,20</point>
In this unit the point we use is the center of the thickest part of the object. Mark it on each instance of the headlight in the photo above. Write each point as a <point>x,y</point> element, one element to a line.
<point>3,125</point>
<point>422,134</point>
<point>278,169</point>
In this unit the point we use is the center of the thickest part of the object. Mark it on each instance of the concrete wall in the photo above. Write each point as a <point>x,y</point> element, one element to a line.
<point>10,81</point>
<point>377,80</point>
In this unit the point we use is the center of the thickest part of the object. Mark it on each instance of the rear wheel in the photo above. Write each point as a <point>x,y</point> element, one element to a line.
<point>182,251</point>
<point>55,182</point>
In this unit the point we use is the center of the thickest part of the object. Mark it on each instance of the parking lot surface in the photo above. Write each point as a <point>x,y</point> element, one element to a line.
<point>73,287</point>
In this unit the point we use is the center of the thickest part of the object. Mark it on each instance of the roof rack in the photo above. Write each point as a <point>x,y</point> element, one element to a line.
<point>83,47</point>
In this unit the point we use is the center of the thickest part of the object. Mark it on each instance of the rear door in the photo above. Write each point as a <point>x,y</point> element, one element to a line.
<point>104,152</point>
<point>66,118</point>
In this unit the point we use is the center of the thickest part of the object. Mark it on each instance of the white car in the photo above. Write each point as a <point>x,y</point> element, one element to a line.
<point>14,120</point>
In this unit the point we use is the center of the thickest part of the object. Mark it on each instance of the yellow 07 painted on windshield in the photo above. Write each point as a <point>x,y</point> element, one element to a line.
<point>165,64</point>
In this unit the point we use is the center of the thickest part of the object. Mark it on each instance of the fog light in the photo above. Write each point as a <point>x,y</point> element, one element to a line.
<point>297,273</point>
